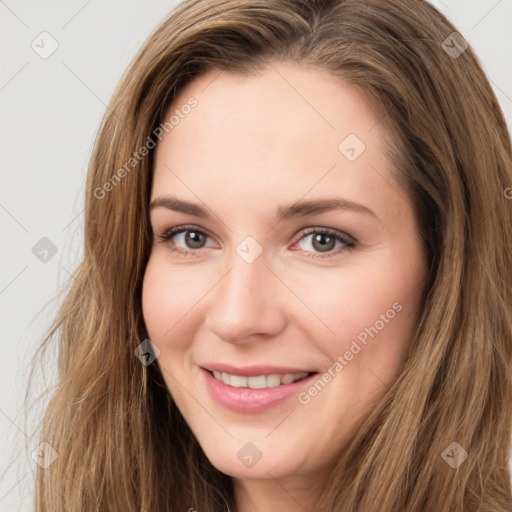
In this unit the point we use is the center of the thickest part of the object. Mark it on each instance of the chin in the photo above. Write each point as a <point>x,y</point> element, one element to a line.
<point>238,463</point>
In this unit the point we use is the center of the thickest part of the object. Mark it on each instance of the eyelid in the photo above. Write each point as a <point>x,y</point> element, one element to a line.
<point>330,231</point>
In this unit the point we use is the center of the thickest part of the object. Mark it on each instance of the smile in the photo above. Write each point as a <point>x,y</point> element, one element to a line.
<point>255,393</point>
<point>259,381</point>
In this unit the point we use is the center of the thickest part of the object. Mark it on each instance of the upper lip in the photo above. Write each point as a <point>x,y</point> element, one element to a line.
<point>254,370</point>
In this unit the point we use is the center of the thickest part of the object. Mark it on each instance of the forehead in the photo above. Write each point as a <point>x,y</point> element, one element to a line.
<point>284,132</point>
<point>291,99</point>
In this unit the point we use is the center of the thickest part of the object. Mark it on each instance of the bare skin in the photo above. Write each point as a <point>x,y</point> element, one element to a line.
<point>249,146</point>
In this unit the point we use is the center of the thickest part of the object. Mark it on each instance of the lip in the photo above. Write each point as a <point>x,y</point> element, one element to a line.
<point>247,400</point>
<point>253,371</point>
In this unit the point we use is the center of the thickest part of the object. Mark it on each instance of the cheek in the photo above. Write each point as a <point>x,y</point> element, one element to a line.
<point>370,314</point>
<point>167,296</point>
<point>348,300</point>
<point>166,302</point>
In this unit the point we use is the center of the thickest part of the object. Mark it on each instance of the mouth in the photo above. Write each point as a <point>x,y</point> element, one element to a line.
<point>254,393</point>
<point>258,381</point>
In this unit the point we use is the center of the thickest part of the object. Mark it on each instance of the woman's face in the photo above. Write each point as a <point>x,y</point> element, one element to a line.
<point>275,267</point>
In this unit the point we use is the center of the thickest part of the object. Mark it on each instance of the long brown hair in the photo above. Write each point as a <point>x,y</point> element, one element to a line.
<point>121,442</point>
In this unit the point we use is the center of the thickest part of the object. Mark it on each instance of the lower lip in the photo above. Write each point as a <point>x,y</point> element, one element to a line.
<point>252,400</point>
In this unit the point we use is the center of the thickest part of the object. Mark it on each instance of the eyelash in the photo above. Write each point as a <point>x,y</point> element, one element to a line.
<point>349,244</point>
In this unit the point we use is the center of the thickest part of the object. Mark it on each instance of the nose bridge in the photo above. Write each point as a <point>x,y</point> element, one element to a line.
<point>244,301</point>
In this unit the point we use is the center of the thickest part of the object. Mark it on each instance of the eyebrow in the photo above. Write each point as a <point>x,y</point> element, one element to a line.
<point>285,212</point>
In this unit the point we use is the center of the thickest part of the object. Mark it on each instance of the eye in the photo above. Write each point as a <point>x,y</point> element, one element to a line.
<point>322,240</point>
<point>190,236</point>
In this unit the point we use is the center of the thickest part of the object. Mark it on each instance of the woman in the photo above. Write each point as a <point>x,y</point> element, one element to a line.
<point>295,284</point>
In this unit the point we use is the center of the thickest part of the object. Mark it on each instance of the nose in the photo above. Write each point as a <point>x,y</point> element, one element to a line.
<point>245,304</point>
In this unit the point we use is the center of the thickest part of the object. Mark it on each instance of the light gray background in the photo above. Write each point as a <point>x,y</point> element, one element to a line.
<point>50,112</point>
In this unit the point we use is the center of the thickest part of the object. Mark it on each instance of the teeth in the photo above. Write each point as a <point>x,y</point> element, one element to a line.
<point>258,382</point>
